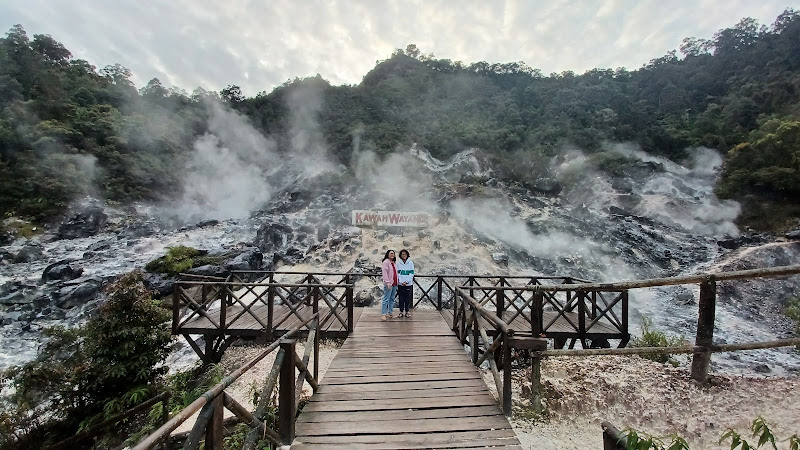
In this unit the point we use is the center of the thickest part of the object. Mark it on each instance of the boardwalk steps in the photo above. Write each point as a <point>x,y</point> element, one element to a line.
<point>403,383</point>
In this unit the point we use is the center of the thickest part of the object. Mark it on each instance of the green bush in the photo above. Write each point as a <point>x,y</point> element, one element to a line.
<point>655,338</point>
<point>178,259</point>
<point>90,372</point>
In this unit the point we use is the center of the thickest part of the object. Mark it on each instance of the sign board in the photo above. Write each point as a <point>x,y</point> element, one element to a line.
<point>363,218</point>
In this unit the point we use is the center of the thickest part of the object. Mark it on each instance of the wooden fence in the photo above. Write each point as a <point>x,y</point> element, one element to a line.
<point>208,427</point>
<point>493,339</point>
<point>223,310</point>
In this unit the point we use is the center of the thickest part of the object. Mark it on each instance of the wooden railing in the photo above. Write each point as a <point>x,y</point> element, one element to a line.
<point>490,339</point>
<point>289,372</point>
<point>560,314</point>
<point>224,309</point>
<point>439,290</point>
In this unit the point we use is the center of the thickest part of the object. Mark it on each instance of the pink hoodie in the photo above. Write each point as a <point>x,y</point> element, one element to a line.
<point>389,272</point>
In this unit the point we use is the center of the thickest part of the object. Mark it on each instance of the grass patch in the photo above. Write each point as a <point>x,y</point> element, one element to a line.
<point>180,259</point>
<point>654,338</point>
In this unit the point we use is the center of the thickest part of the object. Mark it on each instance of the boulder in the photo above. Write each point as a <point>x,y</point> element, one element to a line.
<point>366,297</point>
<point>159,283</point>
<point>74,295</point>
<point>137,230</point>
<point>86,222</point>
<point>501,259</point>
<point>208,270</point>
<point>207,223</point>
<point>251,258</point>
<point>290,256</point>
<point>62,270</point>
<point>29,253</point>
<point>793,235</point>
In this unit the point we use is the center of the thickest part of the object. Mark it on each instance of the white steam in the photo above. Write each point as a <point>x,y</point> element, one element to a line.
<point>400,179</point>
<point>671,193</point>
<point>226,177</point>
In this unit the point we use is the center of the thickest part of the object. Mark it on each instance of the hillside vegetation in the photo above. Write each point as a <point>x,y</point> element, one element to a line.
<point>68,129</point>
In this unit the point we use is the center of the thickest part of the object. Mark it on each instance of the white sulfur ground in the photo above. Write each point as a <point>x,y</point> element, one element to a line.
<point>648,397</point>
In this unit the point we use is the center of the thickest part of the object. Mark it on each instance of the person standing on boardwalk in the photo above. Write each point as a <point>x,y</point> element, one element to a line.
<point>389,275</point>
<point>405,285</point>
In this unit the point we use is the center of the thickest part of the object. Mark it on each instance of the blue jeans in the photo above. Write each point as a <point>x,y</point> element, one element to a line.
<point>387,305</point>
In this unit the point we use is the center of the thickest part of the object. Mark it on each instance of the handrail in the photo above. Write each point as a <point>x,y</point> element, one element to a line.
<point>655,282</point>
<point>215,391</point>
<point>496,321</point>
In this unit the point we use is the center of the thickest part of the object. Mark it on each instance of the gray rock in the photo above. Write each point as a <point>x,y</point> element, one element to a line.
<point>86,222</point>
<point>500,259</point>
<point>366,297</point>
<point>207,270</point>
<point>762,368</point>
<point>406,244</point>
<point>381,235</point>
<point>74,295</point>
<point>62,270</point>
<point>437,245</point>
<point>160,284</point>
<point>794,235</point>
<point>29,253</point>
<point>250,259</point>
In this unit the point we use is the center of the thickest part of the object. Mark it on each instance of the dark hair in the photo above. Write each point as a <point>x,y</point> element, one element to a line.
<point>386,256</point>
<point>408,255</point>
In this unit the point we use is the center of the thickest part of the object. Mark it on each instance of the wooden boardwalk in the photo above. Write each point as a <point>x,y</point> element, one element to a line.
<point>403,383</point>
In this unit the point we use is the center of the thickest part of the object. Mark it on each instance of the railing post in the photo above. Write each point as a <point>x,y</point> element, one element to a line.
<point>580,295</point>
<point>625,311</point>
<point>223,310</point>
<point>286,391</point>
<point>456,301</point>
<point>536,382</point>
<point>474,336</point>
<point>271,308</point>
<point>506,374</point>
<point>705,329</point>
<point>176,307</point>
<point>315,303</point>
<point>536,313</point>
<point>350,307</point>
<point>439,293</point>
<point>214,432</point>
<point>501,301</point>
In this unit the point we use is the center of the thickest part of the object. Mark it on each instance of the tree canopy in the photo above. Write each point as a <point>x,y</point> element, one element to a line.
<point>68,129</point>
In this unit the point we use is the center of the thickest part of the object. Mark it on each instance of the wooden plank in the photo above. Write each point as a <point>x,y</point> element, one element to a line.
<point>406,378</point>
<point>470,384</point>
<point>446,438</point>
<point>452,391</point>
<point>472,411</point>
<point>451,424</point>
<point>469,399</point>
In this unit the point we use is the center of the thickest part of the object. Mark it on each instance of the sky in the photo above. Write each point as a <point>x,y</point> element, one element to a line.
<point>259,45</point>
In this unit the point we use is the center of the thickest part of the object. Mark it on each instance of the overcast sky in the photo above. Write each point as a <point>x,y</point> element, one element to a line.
<point>260,44</point>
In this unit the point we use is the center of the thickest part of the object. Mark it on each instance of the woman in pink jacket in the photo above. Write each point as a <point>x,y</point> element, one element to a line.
<point>389,275</point>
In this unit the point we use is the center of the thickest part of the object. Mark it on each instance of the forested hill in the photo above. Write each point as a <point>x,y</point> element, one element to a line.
<point>68,129</point>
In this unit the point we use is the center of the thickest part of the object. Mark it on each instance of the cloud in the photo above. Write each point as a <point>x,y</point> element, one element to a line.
<point>259,45</point>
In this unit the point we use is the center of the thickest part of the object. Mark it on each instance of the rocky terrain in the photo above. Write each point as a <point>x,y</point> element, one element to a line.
<point>656,219</point>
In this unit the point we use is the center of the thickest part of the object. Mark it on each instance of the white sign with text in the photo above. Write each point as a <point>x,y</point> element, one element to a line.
<point>363,218</point>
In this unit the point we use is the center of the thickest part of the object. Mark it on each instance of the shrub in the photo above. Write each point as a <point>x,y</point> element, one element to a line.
<point>178,259</point>
<point>655,338</point>
<point>84,374</point>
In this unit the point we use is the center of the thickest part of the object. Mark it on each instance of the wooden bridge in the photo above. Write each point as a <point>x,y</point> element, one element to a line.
<point>402,383</point>
<point>223,310</point>
<point>407,383</point>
